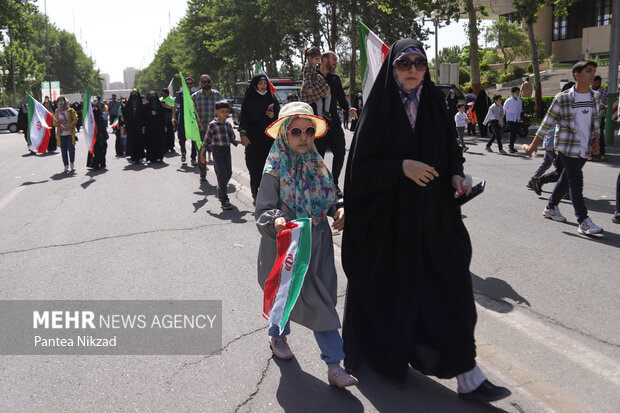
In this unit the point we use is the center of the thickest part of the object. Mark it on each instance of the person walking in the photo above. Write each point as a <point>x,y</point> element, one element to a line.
<point>460,120</point>
<point>52,145</point>
<point>451,102</point>
<point>168,103</point>
<point>135,126</point>
<point>178,122</point>
<point>204,104</point>
<point>513,107</point>
<point>297,184</point>
<point>65,120</point>
<point>596,85</point>
<point>576,112</point>
<point>258,110</point>
<point>155,129</point>
<point>526,88</point>
<point>96,160</point>
<point>481,106</point>
<point>114,111</point>
<point>219,137</point>
<point>335,135</point>
<point>405,249</point>
<point>495,119</point>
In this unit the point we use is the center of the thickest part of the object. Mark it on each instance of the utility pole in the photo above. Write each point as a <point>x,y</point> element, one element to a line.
<point>47,53</point>
<point>612,80</point>
<point>13,68</point>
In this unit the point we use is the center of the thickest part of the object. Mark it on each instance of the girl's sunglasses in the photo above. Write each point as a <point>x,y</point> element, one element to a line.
<point>404,64</point>
<point>296,132</point>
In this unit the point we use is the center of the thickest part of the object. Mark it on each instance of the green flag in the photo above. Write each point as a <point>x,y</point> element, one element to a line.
<point>189,115</point>
<point>257,68</point>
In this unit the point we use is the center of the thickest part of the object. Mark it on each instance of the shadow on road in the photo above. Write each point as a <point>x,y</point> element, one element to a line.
<point>301,392</point>
<point>33,183</point>
<point>418,394</point>
<point>62,175</point>
<point>188,168</point>
<point>134,167</point>
<point>608,238</point>
<point>496,291</point>
<point>49,153</point>
<point>206,190</point>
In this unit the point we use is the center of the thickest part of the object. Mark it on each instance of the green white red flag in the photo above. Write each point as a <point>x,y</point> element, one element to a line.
<point>170,88</point>
<point>115,123</point>
<point>372,54</point>
<point>90,127</point>
<point>39,126</point>
<point>285,280</point>
<point>189,115</point>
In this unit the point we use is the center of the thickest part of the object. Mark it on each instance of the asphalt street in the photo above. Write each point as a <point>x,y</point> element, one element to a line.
<point>547,297</point>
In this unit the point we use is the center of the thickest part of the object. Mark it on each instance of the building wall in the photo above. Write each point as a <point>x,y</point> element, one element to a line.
<point>567,50</point>
<point>128,75</point>
<point>543,28</point>
<point>595,40</point>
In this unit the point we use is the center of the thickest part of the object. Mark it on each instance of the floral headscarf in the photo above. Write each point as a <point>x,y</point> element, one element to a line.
<point>410,98</point>
<point>306,185</point>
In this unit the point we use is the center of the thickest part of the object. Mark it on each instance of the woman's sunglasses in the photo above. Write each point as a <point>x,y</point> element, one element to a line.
<point>404,64</point>
<point>296,132</point>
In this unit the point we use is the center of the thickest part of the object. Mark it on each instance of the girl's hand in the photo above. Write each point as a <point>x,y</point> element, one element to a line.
<point>270,114</point>
<point>279,223</point>
<point>419,172</point>
<point>339,220</point>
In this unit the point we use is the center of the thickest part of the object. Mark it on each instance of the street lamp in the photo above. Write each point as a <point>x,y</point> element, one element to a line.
<point>3,72</point>
<point>30,79</point>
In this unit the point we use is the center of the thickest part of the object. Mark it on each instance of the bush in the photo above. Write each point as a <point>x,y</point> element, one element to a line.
<point>464,76</point>
<point>518,71</point>
<point>484,67</point>
<point>530,68</point>
<point>492,77</point>
<point>529,104</point>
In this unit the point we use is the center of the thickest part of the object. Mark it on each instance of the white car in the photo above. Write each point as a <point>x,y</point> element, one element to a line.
<point>8,119</point>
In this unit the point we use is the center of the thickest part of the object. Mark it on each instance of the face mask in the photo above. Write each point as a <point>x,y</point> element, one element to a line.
<point>516,95</point>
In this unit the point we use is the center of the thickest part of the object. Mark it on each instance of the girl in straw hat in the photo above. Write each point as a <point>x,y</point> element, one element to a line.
<point>297,184</point>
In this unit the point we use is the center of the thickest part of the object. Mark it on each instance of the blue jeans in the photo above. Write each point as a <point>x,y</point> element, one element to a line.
<point>572,180</point>
<point>330,342</point>
<point>66,145</point>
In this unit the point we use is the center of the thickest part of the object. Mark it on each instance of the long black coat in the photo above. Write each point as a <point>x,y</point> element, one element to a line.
<point>405,251</point>
<point>134,117</point>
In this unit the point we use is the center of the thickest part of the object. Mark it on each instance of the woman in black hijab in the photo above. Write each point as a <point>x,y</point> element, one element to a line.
<point>452,101</point>
<point>259,109</point>
<point>97,160</point>
<point>481,107</point>
<point>133,116</point>
<point>155,137</point>
<point>405,249</point>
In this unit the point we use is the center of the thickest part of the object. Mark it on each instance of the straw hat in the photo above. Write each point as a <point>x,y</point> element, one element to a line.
<point>298,109</point>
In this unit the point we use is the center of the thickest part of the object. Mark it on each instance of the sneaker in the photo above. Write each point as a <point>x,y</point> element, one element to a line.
<point>226,205</point>
<point>66,168</point>
<point>487,392</point>
<point>512,150</point>
<point>72,167</point>
<point>488,149</point>
<point>502,152</point>
<point>183,157</point>
<point>587,227</point>
<point>340,378</point>
<point>280,348</point>
<point>554,214</point>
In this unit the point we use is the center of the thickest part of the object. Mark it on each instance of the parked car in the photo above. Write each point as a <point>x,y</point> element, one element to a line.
<point>8,119</point>
<point>283,88</point>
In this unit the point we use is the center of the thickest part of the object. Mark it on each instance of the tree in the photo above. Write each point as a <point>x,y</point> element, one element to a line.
<point>473,32</point>
<point>449,55</point>
<point>511,40</point>
<point>528,10</point>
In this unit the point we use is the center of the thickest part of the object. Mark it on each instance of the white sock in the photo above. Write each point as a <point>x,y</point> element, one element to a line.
<point>470,380</point>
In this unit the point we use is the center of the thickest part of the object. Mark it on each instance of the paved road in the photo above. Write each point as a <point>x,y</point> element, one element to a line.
<point>547,297</point>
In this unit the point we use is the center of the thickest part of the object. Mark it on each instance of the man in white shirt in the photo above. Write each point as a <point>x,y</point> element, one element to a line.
<point>513,107</point>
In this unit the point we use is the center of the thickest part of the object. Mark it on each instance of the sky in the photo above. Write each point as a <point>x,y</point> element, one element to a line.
<point>126,33</point>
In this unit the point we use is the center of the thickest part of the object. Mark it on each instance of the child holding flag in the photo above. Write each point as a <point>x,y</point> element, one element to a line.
<point>296,184</point>
<point>65,120</point>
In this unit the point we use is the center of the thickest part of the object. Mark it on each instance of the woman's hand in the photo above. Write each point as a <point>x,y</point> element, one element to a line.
<point>419,172</point>
<point>339,220</point>
<point>459,187</point>
<point>270,114</point>
<point>279,223</point>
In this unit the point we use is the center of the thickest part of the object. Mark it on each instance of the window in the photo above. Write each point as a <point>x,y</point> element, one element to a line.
<point>512,17</point>
<point>603,12</point>
<point>560,27</point>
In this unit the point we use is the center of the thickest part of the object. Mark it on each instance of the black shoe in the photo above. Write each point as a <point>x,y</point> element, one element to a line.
<point>487,392</point>
<point>537,186</point>
<point>488,149</point>
<point>327,116</point>
<point>616,219</point>
<point>465,148</point>
<point>226,205</point>
<point>203,179</point>
<point>339,194</point>
<point>183,157</point>
<point>530,183</point>
<point>502,152</point>
<point>513,150</point>
<point>566,196</point>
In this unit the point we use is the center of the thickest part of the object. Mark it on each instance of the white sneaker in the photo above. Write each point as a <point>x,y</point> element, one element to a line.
<point>72,167</point>
<point>587,227</point>
<point>66,168</point>
<point>554,214</point>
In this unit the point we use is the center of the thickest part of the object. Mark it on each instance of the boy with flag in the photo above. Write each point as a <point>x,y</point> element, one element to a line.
<point>65,120</point>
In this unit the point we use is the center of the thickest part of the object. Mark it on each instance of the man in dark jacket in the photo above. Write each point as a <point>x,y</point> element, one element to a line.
<point>335,135</point>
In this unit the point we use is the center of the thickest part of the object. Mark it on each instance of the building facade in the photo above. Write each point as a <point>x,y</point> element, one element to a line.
<point>129,75</point>
<point>583,34</point>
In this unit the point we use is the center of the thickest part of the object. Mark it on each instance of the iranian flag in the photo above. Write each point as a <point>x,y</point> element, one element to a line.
<point>39,126</point>
<point>90,127</point>
<point>170,88</point>
<point>372,53</point>
<point>115,123</point>
<point>284,283</point>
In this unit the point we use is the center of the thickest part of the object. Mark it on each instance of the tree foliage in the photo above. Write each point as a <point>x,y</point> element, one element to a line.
<point>511,40</point>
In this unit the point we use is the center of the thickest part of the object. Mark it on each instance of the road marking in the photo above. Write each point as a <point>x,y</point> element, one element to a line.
<point>10,196</point>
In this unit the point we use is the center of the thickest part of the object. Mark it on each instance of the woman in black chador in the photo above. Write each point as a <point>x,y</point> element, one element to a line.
<point>133,116</point>
<point>155,138</point>
<point>258,110</point>
<point>405,249</point>
<point>97,160</point>
<point>481,106</point>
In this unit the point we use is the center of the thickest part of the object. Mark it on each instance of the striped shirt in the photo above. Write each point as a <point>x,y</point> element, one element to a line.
<point>561,112</point>
<point>219,134</point>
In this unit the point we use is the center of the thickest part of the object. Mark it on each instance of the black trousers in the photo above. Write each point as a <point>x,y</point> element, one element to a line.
<point>181,136</point>
<point>513,128</point>
<point>255,158</point>
<point>223,169</point>
<point>336,142</point>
